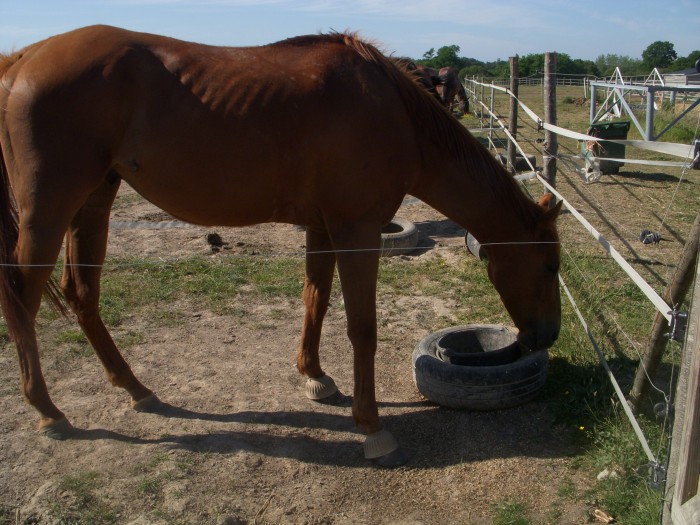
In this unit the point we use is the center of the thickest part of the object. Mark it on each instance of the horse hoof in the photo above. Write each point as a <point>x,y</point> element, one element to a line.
<point>150,403</point>
<point>379,444</point>
<point>58,429</point>
<point>321,388</point>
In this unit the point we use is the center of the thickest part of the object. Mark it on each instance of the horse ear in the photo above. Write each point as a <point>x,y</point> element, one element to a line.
<point>546,201</point>
<point>551,215</point>
<point>552,210</point>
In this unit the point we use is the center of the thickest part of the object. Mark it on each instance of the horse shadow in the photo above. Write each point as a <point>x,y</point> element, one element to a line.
<point>433,437</point>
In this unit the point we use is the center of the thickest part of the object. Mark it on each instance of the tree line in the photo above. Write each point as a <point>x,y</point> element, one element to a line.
<point>659,54</point>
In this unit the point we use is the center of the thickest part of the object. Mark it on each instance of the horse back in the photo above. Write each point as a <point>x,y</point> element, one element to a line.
<point>220,135</point>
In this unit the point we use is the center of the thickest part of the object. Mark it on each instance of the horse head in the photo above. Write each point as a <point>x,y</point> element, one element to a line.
<point>525,274</point>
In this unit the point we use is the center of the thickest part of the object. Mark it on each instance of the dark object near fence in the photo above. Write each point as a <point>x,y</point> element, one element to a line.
<point>650,237</point>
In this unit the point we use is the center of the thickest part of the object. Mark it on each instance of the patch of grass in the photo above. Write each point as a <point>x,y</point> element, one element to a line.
<point>83,507</point>
<point>129,339</point>
<point>615,447</point>
<point>567,489</point>
<point>75,341</point>
<point>149,486</point>
<point>81,484</point>
<point>509,513</point>
<point>4,334</point>
<point>130,284</point>
<point>7,516</point>
<point>682,132</point>
<point>465,282</point>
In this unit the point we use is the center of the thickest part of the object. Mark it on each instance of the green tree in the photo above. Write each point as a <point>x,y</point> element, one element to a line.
<point>659,54</point>
<point>447,56</point>
<point>606,64</point>
<point>444,57</point>
<point>530,65</point>
<point>429,54</point>
<point>686,62</point>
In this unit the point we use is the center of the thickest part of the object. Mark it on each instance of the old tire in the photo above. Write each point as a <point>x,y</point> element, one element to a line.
<point>398,237</point>
<point>504,376</point>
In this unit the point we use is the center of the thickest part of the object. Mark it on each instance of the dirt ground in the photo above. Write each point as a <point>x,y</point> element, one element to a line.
<point>238,442</point>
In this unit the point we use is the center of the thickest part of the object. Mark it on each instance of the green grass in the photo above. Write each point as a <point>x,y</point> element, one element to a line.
<point>7,516</point>
<point>682,132</point>
<point>83,507</point>
<point>149,486</point>
<point>134,283</point>
<point>509,513</point>
<point>75,341</point>
<point>614,446</point>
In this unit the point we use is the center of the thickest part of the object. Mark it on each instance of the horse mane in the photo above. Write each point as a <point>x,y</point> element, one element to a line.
<point>433,122</point>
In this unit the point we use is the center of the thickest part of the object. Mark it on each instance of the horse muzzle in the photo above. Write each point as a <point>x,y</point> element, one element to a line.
<point>540,336</point>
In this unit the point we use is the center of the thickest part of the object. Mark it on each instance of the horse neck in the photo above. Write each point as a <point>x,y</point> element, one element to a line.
<point>476,194</point>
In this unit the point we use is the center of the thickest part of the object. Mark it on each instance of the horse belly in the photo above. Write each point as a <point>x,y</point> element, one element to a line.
<point>202,183</point>
<point>206,197</point>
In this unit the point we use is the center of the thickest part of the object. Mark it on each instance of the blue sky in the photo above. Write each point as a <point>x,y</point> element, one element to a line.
<point>483,30</point>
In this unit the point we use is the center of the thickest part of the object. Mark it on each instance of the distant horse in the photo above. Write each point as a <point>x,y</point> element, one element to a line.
<point>444,84</point>
<point>322,131</point>
<point>451,90</point>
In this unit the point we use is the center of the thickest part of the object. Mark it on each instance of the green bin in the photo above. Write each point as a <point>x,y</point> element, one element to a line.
<point>607,130</point>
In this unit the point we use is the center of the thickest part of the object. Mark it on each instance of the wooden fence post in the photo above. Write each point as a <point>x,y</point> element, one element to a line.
<point>675,293</point>
<point>513,113</point>
<point>681,499</point>
<point>551,144</point>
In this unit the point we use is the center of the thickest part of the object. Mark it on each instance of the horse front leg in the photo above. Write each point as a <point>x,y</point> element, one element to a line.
<point>320,265</point>
<point>358,271</point>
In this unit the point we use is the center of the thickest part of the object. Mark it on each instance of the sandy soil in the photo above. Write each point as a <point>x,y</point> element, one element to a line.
<point>238,442</point>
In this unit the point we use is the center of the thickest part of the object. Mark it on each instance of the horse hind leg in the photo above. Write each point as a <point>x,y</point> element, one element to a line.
<point>86,246</point>
<point>35,254</point>
<point>320,265</point>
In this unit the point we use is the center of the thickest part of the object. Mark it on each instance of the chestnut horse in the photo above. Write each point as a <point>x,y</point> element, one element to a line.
<point>322,131</point>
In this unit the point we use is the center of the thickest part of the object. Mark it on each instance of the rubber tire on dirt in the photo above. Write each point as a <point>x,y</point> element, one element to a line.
<point>399,237</point>
<point>477,387</point>
<point>474,246</point>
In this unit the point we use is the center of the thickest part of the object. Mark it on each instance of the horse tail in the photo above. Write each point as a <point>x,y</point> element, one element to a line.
<point>9,230</point>
<point>10,277</point>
